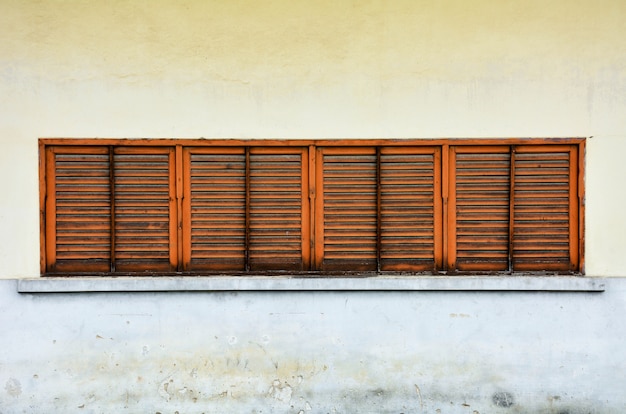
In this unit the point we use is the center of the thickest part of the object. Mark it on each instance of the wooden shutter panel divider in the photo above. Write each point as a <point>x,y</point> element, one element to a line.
<point>312,154</point>
<point>379,224</point>
<point>511,206</point>
<point>112,207</point>
<point>50,206</point>
<point>185,242</point>
<point>180,193</point>
<point>440,205</point>
<point>444,226</point>
<point>574,210</point>
<point>247,212</point>
<point>581,151</point>
<point>318,218</point>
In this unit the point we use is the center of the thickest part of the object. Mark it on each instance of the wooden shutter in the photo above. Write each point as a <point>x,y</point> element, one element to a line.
<point>410,208</point>
<point>215,209</point>
<point>346,209</point>
<point>478,228</point>
<point>469,205</point>
<point>145,209</point>
<point>545,224</point>
<point>78,209</point>
<point>246,209</point>
<point>278,209</point>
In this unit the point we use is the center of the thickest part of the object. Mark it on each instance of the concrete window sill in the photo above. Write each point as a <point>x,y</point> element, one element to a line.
<point>286,283</point>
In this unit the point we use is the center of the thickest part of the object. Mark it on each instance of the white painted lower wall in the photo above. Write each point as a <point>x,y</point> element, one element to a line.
<point>439,352</point>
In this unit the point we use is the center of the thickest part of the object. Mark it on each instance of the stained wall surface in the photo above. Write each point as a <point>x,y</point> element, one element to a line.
<point>321,69</point>
<point>314,352</point>
<point>313,69</point>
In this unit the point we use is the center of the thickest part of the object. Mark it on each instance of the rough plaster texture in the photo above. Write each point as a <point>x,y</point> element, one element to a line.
<point>318,352</point>
<point>321,69</point>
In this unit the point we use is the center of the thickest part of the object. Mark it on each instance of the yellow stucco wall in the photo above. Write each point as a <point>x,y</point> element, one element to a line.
<point>295,68</point>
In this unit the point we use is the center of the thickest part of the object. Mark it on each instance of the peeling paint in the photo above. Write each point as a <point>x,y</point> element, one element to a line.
<point>13,387</point>
<point>503,399</point>
<point>281,391</point>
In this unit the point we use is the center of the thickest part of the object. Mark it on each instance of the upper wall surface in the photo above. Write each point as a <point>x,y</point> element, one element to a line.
<point>320,69</point>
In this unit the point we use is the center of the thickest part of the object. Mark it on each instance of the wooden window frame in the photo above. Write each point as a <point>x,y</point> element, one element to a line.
<point>312,200</point>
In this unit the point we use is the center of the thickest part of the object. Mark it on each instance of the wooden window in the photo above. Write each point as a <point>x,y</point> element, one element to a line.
<point>545,208</point>
<point>215,202</point>
<point>379,208</point>
<point>514,208</point>
<point>347,209</point>
<point>144,202</point>
<point>196,206</point>
<point>110,209</point>
<point>244,209</point>
<point>410,209</point>
<point>78,209</point>
<point>479,208</point>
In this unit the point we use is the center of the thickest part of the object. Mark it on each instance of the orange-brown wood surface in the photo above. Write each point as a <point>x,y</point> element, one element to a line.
<point>312,205</point>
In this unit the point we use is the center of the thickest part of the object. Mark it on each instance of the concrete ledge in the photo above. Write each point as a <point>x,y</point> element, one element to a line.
<point>285,283</point>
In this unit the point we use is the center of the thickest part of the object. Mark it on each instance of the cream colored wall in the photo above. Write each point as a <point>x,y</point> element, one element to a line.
<point>296,68</point>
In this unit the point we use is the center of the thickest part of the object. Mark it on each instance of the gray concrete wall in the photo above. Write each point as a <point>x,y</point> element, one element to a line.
<point>435,352</point>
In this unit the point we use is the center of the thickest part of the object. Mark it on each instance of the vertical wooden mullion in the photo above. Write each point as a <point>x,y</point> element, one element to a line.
<point>450,232</point>
<point>312,196</point>
<point>511,205</point>
<point>305,211</point>
<point>43,191</point>
<point>50,222</point>
<point>574,202</point>
<point>247,212</point>
<point>185,242</point>
<point>438,205</point>
<point>112,201</point>
<point>179,206</point>
<point>378,210</point>
<point>173,208</point>
<point>581,206</point>
<point>319,208</point>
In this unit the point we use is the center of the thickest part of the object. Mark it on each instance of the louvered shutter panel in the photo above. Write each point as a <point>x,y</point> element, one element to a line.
<point>479,208</point>
<point>78,209</point>
<point>410,208</point>
<point>145,209</point>
<point>279,209</point>
<point>346,230</point>
<point>118,208</point>
<point>546,208</point>
<point>215,206</point>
